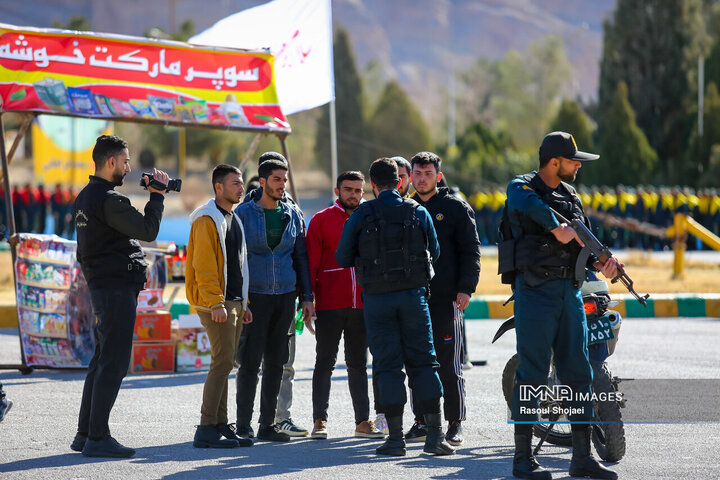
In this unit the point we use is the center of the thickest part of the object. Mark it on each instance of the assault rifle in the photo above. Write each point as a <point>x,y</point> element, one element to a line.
<point>603,254</point>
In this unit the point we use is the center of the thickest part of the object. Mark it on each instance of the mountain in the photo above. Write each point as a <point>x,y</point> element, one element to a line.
<point>418,42</point>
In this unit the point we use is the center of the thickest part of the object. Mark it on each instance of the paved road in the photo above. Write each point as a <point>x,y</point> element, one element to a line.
<point>156,415</point>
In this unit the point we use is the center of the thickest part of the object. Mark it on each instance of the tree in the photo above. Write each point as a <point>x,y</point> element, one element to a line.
<point>701,152</point>
<point>396,127</point>
<point>518,94</point>
<point>653,47</point>
<point>625,154</point>
<point>572,119</point>
<point>76,22</point>
<point>527,90</point>
<point>348,109</point>
<point>485,158</point>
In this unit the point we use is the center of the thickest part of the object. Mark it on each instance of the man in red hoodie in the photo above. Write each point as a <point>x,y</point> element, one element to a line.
<point>339,310</point>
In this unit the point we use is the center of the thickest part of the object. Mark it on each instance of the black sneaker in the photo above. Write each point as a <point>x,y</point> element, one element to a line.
<point>289,428</point>
<point>107,447</point>
<point>245,431</point>
<point>227,430</point>
<point>454,435</point>
<point>78,442</point>
<point>272,434</point>
<point>417,433</point>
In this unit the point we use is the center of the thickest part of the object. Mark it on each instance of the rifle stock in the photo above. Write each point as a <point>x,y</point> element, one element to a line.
<point>603,254</point>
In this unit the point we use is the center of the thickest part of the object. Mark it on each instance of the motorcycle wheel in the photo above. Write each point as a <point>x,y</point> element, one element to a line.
<point>611,448</point>
<point>560,434</point>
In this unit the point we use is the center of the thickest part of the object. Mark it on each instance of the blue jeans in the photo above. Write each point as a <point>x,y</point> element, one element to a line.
<point>115,309</point>
<point>399,332</point>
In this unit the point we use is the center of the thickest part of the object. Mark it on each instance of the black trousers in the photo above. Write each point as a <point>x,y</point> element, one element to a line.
<point>448,326</point>
<point>330,326</point>
<point>264,341</point>
<point>115,309</point>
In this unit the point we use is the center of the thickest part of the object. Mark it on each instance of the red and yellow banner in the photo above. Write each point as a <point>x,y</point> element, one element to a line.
<point>119,77</point>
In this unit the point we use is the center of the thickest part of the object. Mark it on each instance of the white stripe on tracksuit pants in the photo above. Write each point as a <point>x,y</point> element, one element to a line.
<point>447,324</point>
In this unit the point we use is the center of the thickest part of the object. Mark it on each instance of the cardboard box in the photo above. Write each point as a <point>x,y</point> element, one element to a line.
<point>154,326</point>
<point>153,357</point>
<point>151,299</point>
<point>193,345</point>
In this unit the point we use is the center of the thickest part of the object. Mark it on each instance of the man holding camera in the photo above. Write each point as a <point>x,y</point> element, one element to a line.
<point>113,264</point>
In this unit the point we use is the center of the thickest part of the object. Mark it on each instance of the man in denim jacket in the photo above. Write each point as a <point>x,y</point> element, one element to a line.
<point>277,259</point>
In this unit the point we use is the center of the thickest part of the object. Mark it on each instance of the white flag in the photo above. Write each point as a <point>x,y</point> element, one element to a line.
<point>299,34</point>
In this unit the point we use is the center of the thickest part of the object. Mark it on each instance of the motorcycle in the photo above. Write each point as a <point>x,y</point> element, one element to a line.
<point>603,329</point>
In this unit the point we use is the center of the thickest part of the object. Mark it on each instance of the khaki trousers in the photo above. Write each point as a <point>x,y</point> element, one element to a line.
<point>224,339</point>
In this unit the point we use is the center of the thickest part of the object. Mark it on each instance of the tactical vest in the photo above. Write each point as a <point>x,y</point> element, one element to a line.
<point>392,248</point>
<point>538,254</point>
<point>107,257</point>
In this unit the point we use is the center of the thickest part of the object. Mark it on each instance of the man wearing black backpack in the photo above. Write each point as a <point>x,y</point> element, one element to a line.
<point>539,253</point>
<point>456,276</point>
<point>391,242</point>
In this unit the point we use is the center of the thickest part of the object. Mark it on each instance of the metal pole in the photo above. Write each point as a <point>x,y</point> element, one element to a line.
<point>182,153</point>
<point>250,151</point>
<point>13,242</point>
<point>701,93</point>
<point>290,174</point>
<point>16,142</point>
<point>451,112</point>
<point>333,149</point>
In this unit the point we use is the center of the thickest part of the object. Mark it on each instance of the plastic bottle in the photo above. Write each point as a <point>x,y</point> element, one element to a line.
<point>299,324</point>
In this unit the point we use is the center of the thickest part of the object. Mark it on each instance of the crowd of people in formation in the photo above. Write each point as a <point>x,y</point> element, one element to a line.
<point>34,204</point>
<point>644,203</point>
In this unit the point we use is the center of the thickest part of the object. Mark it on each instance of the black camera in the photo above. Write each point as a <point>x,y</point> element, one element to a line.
<point>173,185</point>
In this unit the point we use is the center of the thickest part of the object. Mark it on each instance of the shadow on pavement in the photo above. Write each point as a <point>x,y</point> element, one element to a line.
<point>304,455</point>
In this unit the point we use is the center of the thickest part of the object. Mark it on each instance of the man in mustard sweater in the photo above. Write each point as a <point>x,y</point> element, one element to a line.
<point>216,283</point>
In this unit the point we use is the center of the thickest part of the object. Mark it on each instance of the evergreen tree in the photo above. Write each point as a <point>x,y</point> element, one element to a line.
<point>396,127</point>
<point>527,90</point>
<point>348,111</point>
<point>572,119</point>
<point>625,154</point>
<point>76,22</point>
<point>653,47</point>
<point>698,158</point>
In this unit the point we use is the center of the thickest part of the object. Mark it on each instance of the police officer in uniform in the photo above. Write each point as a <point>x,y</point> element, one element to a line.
<point>113,264</point>
<point>391,242</point>
<point>549,314</point>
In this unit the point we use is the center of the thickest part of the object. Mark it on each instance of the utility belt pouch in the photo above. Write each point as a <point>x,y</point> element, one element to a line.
<point>526,251</point>
<point>506,256</point>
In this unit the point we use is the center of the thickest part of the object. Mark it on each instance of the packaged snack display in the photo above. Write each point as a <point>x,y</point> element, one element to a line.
<point>55,314</point>
<point>81,101</point>
<point>53,302</point>
<point>198,108</point>
<point>103,105</point>
<point>163,107</point>
<point>121,108</point>
<point>233,111</point>
<point>142,108</point>
<point>53,93</point>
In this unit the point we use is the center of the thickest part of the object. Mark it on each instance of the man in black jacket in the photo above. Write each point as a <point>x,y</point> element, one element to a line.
<point>456,276</point>
<point>114,267</point>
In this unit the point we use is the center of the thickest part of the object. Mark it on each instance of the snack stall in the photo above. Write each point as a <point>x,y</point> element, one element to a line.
<point>126,79</point>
